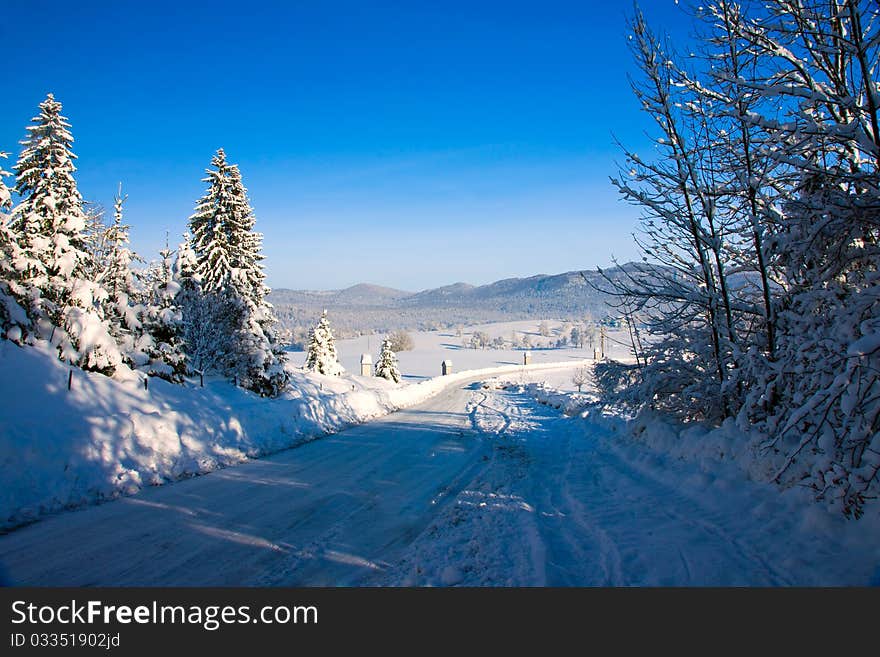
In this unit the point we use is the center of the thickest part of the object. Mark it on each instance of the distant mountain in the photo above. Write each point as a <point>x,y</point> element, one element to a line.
<point>363,294</point>
<point>366,307</point>
<point>366,294</point>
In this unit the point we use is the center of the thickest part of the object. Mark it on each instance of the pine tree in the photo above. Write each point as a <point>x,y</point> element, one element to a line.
<point>386,366</point>
<point>163,322</point>
<point>321,356</point>
<point>95,234</point>
<point>120,307</point>
<point>13,317</point>
<point>205,335</point>
<point>228,265</point>
<point>48,225</point>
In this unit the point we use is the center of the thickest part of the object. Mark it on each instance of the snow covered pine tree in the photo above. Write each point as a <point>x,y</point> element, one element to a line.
<point>163,321</point>
<point>63,304</point>
<point>231,285</point>
<point>386,366</point>
<point>321,357</point>
<point>13,318</point>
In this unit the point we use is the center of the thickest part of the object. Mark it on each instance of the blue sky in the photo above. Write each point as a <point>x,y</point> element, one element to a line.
<point>407,144</point>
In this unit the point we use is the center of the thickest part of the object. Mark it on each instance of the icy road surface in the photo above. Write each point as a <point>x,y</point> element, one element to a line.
<point>472,487</point>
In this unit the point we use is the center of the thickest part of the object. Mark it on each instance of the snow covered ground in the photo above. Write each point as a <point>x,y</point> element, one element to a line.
<point>503,475</point>
<point>568,500</point>
<point>105,437</point>
<point>433,347</point>
<point>473,486</point>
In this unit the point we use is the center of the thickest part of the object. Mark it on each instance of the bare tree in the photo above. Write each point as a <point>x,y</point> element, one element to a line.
<point>581,377</point>
<point>401,341</point>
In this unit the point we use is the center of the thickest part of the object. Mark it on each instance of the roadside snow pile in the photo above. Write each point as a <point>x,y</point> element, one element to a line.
<point>109,437</point>
<point>570,403</point>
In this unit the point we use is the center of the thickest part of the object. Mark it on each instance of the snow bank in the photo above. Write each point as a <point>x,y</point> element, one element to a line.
<point>724,456</point>
<point>106,437</point>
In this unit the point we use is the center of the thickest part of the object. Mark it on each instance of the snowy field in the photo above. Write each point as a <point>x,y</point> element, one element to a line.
<point>433,347</point>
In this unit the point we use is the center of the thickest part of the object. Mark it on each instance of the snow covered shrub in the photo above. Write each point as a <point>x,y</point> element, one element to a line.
<point>818,400</point>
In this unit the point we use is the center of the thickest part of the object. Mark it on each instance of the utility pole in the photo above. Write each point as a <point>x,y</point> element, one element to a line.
<point>602,339</point>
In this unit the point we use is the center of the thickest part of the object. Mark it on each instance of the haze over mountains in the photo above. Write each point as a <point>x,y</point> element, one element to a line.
<point>366,308</point>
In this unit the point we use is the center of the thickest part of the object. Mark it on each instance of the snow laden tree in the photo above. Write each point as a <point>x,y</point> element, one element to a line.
<point>120,306</point>
<point>63,303</point>
<point>681,290</point>
<point>321,357</point>
<point>94,234</point>
<point>760,234</point>
<point>817,395</point>
<point>386,366</point>
<point>163,321</point>
<point>14,321</point>
<point>206,328</point>
<point>228,255</point>
<point>581,377</point>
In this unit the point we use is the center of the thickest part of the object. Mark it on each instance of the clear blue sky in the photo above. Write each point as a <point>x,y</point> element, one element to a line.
<point>409,144</point>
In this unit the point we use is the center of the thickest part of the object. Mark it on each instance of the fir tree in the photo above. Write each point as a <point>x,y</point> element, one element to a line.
<point>321,356</point>
<point>386,366</point>
<point>163,322</point>
<point>205,338</point>
<point>13,318</point>
<point>117,278</point>
<point>227,263</point>
<point>48,226</point>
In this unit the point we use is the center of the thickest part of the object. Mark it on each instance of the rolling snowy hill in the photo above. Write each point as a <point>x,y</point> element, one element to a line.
<point>365,308</point>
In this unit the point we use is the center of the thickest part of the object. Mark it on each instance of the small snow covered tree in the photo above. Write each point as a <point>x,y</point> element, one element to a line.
<point>386,366</point>
<point>208,337</point>
<point>49,226</point>
<point>321,356</point>
<point>163,322</point>
<point>94,234</point>
<point>120,306</point>
<point>479,340</point>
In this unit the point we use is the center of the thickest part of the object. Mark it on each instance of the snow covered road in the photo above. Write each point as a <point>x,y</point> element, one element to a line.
<point>471,487</point>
